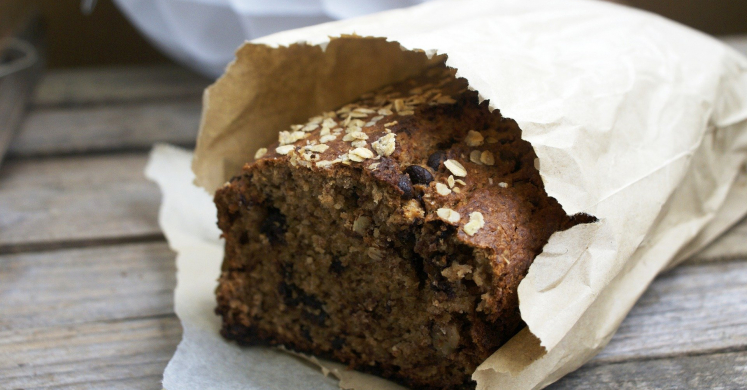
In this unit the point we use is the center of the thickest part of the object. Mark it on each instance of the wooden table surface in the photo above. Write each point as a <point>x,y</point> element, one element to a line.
<point>86,277</point>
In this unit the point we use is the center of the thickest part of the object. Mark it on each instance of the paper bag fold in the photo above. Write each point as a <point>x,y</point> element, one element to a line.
<point>635,120</point>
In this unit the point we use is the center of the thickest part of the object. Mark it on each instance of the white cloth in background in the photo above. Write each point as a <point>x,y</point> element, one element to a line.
<point>203,34</point>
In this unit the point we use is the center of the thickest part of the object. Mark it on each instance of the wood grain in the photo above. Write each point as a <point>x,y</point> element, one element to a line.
<point>88,355</point>
<point>124,127</point>
<point>76,198</point>
<point>109,85</point>
<point>65,287</point>
<point>691,309</point>
<point>717,371</point>
<point>111,109</point>
<point>100,317</point>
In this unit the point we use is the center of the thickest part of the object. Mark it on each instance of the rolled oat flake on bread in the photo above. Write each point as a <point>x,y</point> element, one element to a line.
<point>356,251</point>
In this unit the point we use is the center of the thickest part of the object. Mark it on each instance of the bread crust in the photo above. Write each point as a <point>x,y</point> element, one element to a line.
<point>343,241</point>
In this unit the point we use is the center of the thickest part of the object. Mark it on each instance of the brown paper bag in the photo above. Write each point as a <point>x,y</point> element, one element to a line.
<point>636,120</point>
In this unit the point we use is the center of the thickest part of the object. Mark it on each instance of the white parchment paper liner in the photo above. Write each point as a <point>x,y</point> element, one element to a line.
<point>636,120</point>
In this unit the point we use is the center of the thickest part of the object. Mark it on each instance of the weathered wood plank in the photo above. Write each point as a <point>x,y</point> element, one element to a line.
<point>65,87</point>
<point>64,287</point>
<point>146,382</point>
<point>717,371</point>
<point>111,109</point>
<point>81,318</point>
<point>86,354</point>
<point>76,198</point>
<point>53,131</point>
<point>690,309</point>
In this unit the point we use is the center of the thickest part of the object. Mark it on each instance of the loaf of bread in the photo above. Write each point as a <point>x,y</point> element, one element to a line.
<point>390,235</point>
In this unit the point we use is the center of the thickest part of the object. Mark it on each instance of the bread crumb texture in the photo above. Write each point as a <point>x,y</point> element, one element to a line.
<point>390,234</point>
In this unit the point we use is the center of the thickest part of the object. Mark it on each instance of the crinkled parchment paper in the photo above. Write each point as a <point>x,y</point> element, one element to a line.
<point>636,120</point>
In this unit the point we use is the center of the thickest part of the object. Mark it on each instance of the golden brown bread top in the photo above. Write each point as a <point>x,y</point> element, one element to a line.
<point>428,138</point>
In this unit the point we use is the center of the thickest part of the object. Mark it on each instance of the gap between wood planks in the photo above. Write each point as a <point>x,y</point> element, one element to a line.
<point>133,127</point>
<point>82,243</point>
<point>116,85</point>
<point>78,198</point>
<point>112,109</point>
